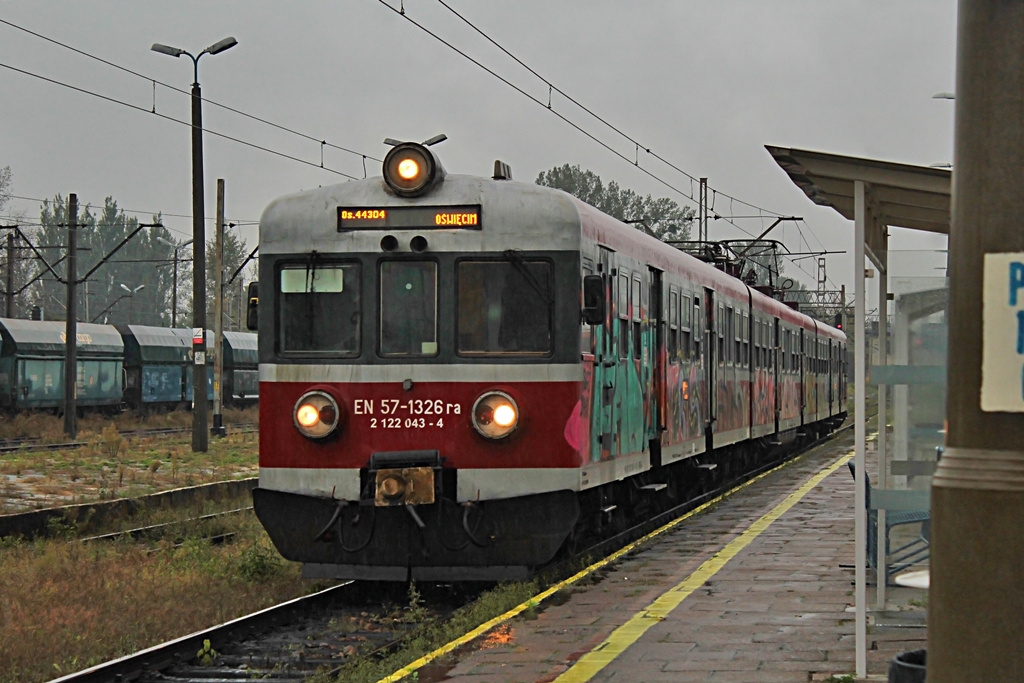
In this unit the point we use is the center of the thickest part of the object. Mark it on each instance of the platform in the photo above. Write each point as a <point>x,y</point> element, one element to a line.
<point>758,588</point>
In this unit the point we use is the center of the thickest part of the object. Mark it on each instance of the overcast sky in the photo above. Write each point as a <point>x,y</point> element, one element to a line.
<point>704,84</point>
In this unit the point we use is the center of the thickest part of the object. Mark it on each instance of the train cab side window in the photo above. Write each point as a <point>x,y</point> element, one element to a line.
<point>622,305</point>
<point>746,339</point>
<point>637,316</point>
<point>673,326</point>
<point>785,351</point>
<point>734,335</point>
<point>697,327</point>
<point>319,309</point>
<point>755,344</point>
<point>408,308</point>
<point>586,329</point>
<point>730,332</point>
<point>622,295</point>
<point>686,327</point>
<point>720,328</point>
<point>504,307</point>
<point>762,328</point>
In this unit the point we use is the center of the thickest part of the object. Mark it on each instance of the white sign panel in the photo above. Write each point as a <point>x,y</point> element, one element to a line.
<point>1002,354</point>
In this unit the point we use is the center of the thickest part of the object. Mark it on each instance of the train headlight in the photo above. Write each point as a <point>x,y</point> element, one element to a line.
<point>495,415</point>
<point>316,414</point>
<point>410,169</point>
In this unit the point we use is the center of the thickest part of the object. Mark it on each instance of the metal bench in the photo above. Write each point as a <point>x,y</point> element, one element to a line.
<point>914,551</point>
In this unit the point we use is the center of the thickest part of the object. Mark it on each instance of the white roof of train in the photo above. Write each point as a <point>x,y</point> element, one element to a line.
<point>511,218</point>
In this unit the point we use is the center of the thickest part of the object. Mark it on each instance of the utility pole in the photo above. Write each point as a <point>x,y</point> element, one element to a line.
<point>9,309</point>
<point>200,406</point>
<point>976,596</point>
<point>174,292</point>
<point>218,321</point>
<point>702,221</point>
<point>71,325</point>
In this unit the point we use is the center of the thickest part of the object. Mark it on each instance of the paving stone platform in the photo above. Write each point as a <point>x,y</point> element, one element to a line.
<point>779,611</point>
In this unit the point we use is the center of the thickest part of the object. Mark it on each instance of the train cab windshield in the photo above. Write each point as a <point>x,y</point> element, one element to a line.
<point>504,307</point>
<point>408,308</point>
<point>497,307</point>
<point>320,309</point>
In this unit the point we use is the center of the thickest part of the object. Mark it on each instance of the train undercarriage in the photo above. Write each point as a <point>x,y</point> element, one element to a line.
<point>494,540</point>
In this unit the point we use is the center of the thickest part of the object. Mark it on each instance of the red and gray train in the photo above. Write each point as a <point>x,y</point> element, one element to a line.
<point>461,376</point>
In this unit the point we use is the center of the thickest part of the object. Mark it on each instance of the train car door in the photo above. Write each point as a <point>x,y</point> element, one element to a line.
<point>776,335</point>
<point>654,350</point>
<point>803,378</point>
<point>711,363</point>
<point>606,358</point>
<point>831,378</point>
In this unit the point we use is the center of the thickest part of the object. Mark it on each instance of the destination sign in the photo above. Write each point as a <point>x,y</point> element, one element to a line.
<point>408,217</point>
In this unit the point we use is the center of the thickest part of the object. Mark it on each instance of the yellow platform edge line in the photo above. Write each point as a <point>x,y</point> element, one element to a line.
<point>621,638</point>
<point>483,628</point>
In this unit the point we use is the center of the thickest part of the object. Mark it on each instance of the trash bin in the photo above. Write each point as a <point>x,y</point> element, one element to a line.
<point>908,667</point>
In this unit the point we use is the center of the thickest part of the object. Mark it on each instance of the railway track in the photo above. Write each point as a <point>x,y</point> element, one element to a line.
<point>37,444</point>
<point>288,642</point>
<point>177,527</point>
<point>324,631</point>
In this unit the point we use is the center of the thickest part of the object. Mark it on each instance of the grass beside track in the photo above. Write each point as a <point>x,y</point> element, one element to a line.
<point>65,606</point>
<point>114,466</point>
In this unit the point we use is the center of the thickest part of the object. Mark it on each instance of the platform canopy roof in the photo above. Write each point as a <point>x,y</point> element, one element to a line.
<point>898,195</point>
<point>875,195</point>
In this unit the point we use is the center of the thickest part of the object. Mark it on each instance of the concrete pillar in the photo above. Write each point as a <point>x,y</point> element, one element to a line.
<point>976,604</point>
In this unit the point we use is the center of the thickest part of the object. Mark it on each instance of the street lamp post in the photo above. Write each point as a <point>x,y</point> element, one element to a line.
<point>200,409</point>
<point>131,292</point>
<point>174,283</point>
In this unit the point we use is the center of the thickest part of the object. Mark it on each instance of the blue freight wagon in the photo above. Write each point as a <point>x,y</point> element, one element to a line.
<point>155,359</point>
<point>241,368</point>
<point>32,365</point>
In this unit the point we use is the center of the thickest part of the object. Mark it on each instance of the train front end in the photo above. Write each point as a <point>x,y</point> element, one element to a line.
<point>420,376</point>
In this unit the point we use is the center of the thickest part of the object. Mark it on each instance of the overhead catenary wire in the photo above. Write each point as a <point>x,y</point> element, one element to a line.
<point>551,88</point>
<point>515,87</point>
<point>318,140</point>
<point>137,212</point>
<point>171,118</point>
<point>637,145</point>
<point>578,127</point>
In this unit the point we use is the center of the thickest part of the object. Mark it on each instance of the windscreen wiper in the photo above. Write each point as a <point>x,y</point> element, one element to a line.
<point>516,259</point>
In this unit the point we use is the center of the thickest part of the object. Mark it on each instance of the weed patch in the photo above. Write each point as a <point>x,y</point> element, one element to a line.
<point>65,605</point>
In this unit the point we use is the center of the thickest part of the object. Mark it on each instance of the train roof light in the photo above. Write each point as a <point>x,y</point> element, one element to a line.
<point>408,169</point>
<point>411,170</point>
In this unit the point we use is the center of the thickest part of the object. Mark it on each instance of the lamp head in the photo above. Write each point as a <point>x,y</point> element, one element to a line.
<point>167,50</point>
<point>221,45</point>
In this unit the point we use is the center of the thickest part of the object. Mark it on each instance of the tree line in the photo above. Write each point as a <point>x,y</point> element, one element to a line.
<point>135,285</point>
